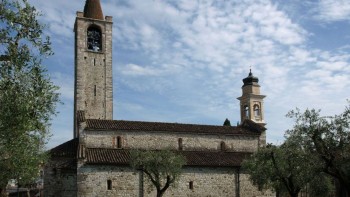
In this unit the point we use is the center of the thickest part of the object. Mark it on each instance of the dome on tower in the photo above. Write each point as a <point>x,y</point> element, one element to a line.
<point>92,9</point>
<point>250,80</point>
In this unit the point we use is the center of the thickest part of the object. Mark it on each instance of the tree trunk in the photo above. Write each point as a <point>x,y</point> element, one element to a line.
<point>160,193</point>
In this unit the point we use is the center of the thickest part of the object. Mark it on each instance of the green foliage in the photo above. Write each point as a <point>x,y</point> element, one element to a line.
<point>162,167</point>
<point>287,168</point>
<point>321,186</point>
<point>328,138</point>
<point>227,122</point>
<point>27,96</point>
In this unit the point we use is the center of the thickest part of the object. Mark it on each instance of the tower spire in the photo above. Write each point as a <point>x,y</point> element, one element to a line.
<point>92,9</point>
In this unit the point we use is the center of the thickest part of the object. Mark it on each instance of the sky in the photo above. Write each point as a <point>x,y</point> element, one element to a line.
<point>184,60</point>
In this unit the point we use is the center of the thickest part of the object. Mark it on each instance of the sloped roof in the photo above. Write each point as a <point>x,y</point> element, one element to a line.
<point>99,156</point>
<point>250,129</point>
<point>67,149</point>
<point>92,9</point>
<point>64,156</point>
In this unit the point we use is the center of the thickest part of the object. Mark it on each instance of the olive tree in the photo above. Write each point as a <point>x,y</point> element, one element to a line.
<point>162,167</point>
<point>27,96</point>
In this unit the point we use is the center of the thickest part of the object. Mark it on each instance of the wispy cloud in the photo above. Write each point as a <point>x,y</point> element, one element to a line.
<point>333,10</point>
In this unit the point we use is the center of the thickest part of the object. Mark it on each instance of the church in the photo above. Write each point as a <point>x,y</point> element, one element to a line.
<point>96,161</point>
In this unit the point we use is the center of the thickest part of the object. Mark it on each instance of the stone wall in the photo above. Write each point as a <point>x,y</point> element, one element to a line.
<point>161,140</point>
<point>59,182</point>
<point>206,182</point>
<point>93,181</point>
<point>247,189</point>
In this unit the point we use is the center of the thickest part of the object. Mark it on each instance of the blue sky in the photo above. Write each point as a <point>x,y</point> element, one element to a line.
<point>184,61</point>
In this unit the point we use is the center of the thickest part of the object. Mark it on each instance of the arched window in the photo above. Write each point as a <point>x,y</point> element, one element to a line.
<point>246,111</point>
<point>222,146</point>
<point>256,110</point>
<point>94,39</point>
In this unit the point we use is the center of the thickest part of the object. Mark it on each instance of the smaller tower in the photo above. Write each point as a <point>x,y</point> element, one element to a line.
<point>251,101</point>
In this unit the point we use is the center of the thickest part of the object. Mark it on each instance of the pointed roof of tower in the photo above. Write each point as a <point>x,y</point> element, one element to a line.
<point>92,9</point>
<point>250,79</point>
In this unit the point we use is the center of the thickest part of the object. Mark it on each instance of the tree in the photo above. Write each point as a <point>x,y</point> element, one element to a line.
<point>287,168</point>
<point>162,167</point>
<point>227,122</point>
<point>329,139</point>
<point>27,96</point>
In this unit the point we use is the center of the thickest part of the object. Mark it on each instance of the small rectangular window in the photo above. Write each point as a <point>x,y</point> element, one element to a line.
<point>190,185</point>
<point>109,184</point>
<point>180,143</point>
<point>119,142</point>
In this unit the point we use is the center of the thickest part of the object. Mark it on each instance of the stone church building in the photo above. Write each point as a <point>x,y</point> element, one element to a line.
<point>96,162</point>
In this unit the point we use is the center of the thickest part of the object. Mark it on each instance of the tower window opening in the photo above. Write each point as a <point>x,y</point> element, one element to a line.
<point>246,111</point>
<point>256,110</point>
<point>180,144</point>
<point>109,184</point>
<point>94,62</point>
<point>94,39</point>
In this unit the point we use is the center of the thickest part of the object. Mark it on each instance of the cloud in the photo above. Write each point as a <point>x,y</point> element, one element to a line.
<point>333,10</point>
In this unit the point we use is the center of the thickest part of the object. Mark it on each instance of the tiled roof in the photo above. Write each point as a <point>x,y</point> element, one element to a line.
<point>97,124</point>
<point>64,156</point>
<point>67,149</point>
<point>92,9</point>
<point>101,156</point>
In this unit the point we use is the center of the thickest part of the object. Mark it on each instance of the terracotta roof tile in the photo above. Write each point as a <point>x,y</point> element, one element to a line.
<point>67,149</point>
<point>92,9</point>
<point>97,124</point>
<point>101,156</point>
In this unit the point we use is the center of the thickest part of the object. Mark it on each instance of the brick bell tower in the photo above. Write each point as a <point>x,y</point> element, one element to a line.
<point>251,101</point>
<point>93,90</point>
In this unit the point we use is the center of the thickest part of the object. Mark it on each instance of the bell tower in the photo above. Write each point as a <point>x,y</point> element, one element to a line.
<point>251,101</point>
<point>93,90</point>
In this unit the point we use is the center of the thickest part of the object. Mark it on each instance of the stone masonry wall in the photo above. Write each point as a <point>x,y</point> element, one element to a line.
<point>159,140</point>
<point>92,181</point>
<point>207,182</point>
<point>248,190</point>
<point>59,182</point>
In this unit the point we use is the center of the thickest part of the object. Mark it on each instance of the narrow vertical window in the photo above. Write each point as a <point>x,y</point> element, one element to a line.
<point>246,111</point>
<point>190,185</point>
<point>94,62</point>
<point>180,144</point>
<point>95,90</point>
<point>119,142</point>
<point>256,110</point>
<point>222,146</point>
<point>109,184</point>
